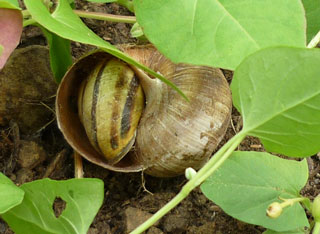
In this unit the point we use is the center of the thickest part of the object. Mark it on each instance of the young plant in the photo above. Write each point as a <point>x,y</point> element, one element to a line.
<point>282,109</point>
<point>29,208</point>
<point>275,88</point>
<point>271,88</point>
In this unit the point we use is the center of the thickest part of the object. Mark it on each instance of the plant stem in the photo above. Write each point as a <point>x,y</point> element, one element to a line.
<point>315,41</point>
<point>126,3</point>
<point>213,164</point>
<point>25,13</point>
<point>107,17</point>
<point>316,228</point>
<point>28,22</point>
<point>98,16</point>
<point>78,166</point>
<point>291,201</point>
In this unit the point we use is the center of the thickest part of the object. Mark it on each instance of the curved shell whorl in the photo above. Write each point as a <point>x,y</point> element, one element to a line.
<point>175,134</point>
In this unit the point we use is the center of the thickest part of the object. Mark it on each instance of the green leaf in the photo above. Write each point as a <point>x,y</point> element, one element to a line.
<point>60,54</point>
<point>312,8</point>
<point>1,49</point>
<point>277,92</point>
<point>10,4</point>
<point>65,23</point>
<point>10,194</point>
<point>136,30</point>
<point>68,25</point>
<point>35,214</point>
<point>248,182</point>
<point>220,33</point>
<point>296,231</point>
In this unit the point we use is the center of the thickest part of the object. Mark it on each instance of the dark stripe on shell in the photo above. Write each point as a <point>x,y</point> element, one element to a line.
<point>114,131</point>
<point>129,106</point>
<point>95,96</point>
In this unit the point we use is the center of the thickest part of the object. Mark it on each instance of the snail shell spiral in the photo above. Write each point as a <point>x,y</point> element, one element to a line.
<point>172,134</point>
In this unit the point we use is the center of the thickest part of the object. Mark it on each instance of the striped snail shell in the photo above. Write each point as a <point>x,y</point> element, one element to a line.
<point>172,134</point>
<point>110,103</point>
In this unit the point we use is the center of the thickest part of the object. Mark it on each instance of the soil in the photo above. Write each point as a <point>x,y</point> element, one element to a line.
<point>129,198</point>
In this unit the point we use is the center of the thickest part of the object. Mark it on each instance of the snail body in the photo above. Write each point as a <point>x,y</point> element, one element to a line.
<point>172,134</point>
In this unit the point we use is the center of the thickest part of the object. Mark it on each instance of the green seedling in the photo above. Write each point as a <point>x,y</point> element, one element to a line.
<point>31,209</point>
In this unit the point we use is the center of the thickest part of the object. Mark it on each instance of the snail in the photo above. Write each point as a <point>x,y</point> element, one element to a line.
<point>171,134</point>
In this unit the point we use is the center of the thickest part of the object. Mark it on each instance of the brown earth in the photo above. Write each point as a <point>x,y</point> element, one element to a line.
<point>129,198</point>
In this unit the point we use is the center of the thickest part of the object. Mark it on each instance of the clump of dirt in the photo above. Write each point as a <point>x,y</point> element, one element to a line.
<point>129,198</point>
<point>27,88</point>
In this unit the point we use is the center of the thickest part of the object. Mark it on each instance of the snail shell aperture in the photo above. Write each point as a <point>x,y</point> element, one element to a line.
<point>172,134</point>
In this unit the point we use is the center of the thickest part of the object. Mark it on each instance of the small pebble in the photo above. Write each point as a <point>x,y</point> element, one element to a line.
<point>154,230</point>
<point>135,217</point>
<point>30,154</point>
<point>175,223</point>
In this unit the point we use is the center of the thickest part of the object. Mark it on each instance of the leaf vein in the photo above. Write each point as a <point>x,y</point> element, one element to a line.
<point>240,26</point>
<point>294,105</point>
<point>193,16</point>
<point>295,119</point>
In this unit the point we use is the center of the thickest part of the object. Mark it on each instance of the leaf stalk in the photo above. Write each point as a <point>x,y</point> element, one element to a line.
<point>25,13</point>
<point>315,41</point>
<point>28,22</point>
<point>107,17</point>
<point>316,229</point>
<point>97,16</point>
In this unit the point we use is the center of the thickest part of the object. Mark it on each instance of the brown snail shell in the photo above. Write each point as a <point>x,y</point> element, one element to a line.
<point>172,134</point>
